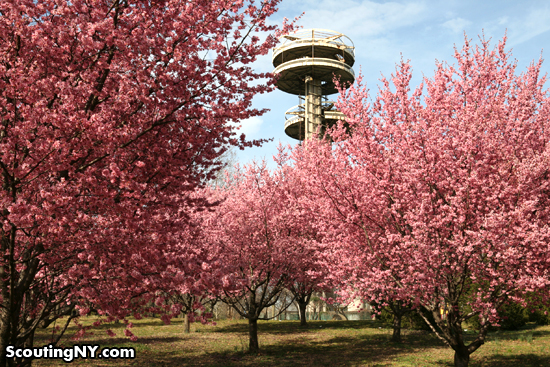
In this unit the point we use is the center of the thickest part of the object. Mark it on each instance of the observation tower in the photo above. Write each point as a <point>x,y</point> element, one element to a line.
<point>307,62</point>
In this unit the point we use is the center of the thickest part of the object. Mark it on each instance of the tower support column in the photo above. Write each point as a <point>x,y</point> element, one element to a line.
<point>313,113</point>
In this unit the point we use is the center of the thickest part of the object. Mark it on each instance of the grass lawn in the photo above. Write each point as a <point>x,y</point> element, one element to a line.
<point>285,343</point>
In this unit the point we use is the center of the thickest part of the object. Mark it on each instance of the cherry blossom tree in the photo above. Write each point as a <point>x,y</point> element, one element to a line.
<point>111,113</point>
<point>264,239</point>
<point>312,274</point>
<point>193,280</point>
<point>439,197</point>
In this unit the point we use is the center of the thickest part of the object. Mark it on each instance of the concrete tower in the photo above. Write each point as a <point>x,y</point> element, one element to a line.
<point>307,62</point>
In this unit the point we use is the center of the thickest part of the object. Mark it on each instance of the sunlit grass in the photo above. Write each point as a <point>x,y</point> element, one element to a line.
<point>285,343</point>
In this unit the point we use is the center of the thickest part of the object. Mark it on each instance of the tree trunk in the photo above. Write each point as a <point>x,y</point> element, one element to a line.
<point>186,324</point>
<point>4,337</point>
<point>302,308</point>
<point>253,346</point>
<point>462,357</point>
<point>339,311</point>
<point>396,336</point>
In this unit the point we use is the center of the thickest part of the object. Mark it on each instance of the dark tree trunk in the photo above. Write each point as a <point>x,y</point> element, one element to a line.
<point>4,337</point>
<point>253,346</point>
<point>302,307</point>
<point>398,310</point>
<point>396,336</point>
<point>186,323</point>
<point>9,322</point>
<point>462,357</point>
<point>251,303</point>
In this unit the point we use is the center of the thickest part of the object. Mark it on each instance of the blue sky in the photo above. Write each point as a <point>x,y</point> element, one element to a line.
<point>382,31</point>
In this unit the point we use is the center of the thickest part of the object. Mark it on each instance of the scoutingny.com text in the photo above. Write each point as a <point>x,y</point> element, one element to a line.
<point>69,354</point>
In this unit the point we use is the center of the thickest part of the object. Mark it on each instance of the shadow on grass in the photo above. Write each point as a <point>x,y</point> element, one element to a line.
<point>524,360</point>
<point>292,327</point>
<point>342,343</point>
<point>499,360</point>
<point>297,351</point>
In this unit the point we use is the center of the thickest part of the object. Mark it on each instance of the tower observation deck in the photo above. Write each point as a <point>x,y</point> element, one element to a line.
<point>307,62</point>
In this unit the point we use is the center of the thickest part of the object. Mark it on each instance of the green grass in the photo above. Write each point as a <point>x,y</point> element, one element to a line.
<point>285,343</point>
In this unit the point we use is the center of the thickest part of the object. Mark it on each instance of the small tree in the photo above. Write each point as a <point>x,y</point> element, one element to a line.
<point>261,235</point>
<point>190,304</point>
<point>311,275</point>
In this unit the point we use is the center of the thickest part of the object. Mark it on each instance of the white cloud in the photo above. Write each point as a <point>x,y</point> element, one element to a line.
<point>250,126</point>
<point>378,29</point>
<point>534,23</point>
<point>457,25</point>
<point>366,18</point>
<point>502,20</point>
